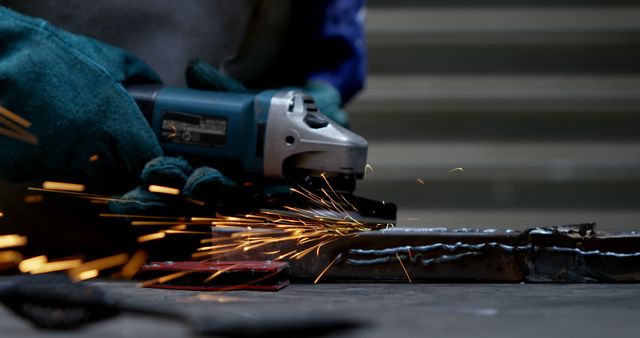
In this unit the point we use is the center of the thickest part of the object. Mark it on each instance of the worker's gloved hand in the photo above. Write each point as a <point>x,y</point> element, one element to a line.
<point>328,101</point>
<point>70,88</point>
<point>203,184</point>
<point>201,75</point>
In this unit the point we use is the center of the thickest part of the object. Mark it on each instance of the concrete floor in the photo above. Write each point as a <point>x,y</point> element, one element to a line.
<point>391,310</point>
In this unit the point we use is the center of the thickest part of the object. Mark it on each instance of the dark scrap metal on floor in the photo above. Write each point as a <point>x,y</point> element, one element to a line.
<point>54,302</point>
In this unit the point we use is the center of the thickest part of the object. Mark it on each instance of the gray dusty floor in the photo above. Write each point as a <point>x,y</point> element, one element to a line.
<point>392,310</point>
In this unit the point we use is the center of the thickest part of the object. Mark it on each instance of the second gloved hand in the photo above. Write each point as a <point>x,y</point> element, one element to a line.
<point>201,185</point>
<point>328,101</point>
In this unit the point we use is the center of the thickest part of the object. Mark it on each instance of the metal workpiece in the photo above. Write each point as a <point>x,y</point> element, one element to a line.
<point>271,134</point>
<point>299,135</point>
<point>581,254</point>
<point>403,255</point>
<point>572,253</point>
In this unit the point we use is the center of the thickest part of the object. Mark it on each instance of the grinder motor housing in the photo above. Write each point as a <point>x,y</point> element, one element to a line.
<point>273,140</point>
<point>269,136</point>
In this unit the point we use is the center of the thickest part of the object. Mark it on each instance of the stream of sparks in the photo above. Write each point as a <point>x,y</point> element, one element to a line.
<point>288,234</point>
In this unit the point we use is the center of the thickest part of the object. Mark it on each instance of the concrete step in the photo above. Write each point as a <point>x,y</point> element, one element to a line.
<point>560,162</point>
<point>577,176</point>
<point>498,39</point>
<point>512,25</point>
<point>537,101</point>
<point>518,219</point>
<point>502,3</point>
<point>515,93</point>
<point>498,127</point>
<point>498,107</point>
<point>505,194</point>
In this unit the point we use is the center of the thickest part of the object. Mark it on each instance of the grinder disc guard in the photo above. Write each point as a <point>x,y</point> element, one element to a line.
<point>353,207</point>
<point>306,189</point>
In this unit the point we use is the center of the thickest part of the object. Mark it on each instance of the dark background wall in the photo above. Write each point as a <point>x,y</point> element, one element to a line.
<point>537,101</point>
<point>165,34</point>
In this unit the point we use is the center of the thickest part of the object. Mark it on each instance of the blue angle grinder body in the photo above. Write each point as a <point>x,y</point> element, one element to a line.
<point>272,141</point>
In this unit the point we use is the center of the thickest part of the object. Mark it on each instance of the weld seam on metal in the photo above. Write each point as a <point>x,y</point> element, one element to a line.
<point>437,246</point>
<point>589,253</point>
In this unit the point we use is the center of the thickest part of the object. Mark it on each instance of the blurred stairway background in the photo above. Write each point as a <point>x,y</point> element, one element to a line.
<point>538,101</point>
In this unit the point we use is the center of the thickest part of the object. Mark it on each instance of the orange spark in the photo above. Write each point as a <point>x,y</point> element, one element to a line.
<point>138,223</point>
<point>257,280</point>
<point>221,271</point>
<point>368,167</point>
<point>164,279</point>
<point>403,268</point>
<point>95,201</point>
<point>32,263</point>
<point>171,231</point>
<point>164,190</point>
<point>99,264</point>
<point>151,237</point>
<point>30,199</point>
<point>91,197</point>
<point>19,134</point>
<point>326,269</point>
<point>13,126</point>
<point>14,117</point>
<point>57,266</point>
<point>134,264</point>
<point>8,241</point>
<point>88,274</point>
<point>203,219</point>
<point>195,201</point>
<point>62,186</point>
<point>10,256</point>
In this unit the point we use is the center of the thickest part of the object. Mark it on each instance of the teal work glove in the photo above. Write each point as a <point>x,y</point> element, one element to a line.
<point>328,101</point>
<point>70,88</point>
